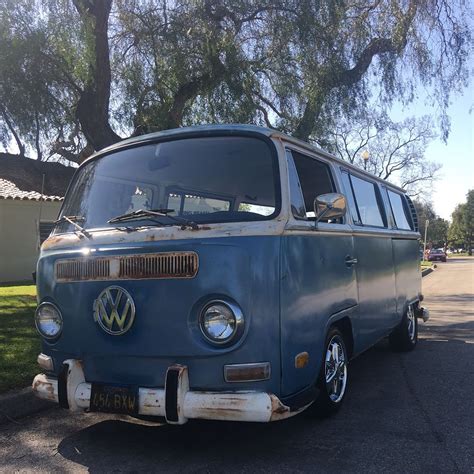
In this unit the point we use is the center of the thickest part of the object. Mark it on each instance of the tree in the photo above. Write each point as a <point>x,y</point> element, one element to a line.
<point>87,72</point>
<point>396,150</point>
<point>329,51</point>
<point>461,230</point>
<point>437,234</point>
<point>36,100</point>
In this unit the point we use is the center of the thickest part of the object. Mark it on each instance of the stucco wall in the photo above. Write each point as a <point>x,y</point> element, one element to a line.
<point>19,236</point>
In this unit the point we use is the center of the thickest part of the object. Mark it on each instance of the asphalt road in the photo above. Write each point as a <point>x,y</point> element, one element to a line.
<point>405,413</point>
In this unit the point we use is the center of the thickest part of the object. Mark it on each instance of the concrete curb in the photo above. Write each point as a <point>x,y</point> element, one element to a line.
<point>17,404</point>
<point>426,271</point>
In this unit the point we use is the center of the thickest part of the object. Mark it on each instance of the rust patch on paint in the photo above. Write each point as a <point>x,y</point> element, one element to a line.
<point>279,411</point>
<point>60,240</point>
<point>43,388</point>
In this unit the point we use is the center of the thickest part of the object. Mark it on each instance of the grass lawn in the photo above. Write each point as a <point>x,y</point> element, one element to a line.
<point>19,341</point>
<point>425,264</point>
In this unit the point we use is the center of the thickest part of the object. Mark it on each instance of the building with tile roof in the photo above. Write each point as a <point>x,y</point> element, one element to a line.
<point>26,215</point>
<point>9,190</point>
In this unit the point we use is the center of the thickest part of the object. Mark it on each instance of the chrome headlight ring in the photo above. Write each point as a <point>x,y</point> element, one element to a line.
<point>48,320</point>
<point>221,322</point>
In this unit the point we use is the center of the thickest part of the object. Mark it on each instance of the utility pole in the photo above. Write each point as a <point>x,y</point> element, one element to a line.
<point>427,223</point>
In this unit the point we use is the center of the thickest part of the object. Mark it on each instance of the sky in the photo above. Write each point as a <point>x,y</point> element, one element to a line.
<point>456,156</point>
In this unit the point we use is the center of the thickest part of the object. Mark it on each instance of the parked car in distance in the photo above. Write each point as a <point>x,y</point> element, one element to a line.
<point>437,255</point>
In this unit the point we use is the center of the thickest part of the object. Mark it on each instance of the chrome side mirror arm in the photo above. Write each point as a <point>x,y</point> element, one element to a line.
<point>320,215</point>
<point>332,205</point>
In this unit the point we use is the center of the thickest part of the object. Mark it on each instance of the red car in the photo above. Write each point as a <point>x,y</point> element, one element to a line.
<point>437,255</point>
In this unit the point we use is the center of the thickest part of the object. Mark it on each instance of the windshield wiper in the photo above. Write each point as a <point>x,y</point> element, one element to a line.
<point>73,220</point>
<point>153,214</point>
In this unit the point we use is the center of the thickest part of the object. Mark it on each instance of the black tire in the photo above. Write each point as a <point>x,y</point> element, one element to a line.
<point>405,337</point>
<point>328,402</point>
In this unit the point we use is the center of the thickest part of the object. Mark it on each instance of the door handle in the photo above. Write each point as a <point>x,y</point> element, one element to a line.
<point>351,261</point>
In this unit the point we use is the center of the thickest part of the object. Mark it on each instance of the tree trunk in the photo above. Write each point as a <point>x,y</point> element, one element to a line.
<point>19,144</point>
<point>39,153</point>
<point>92,110</point>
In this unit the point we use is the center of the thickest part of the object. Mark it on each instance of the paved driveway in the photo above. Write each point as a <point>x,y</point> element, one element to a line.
<point>405,413</point>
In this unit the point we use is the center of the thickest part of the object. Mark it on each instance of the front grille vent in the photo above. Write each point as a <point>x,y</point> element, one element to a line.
<point>129,267</point>
<point>83,269</point>
<point>174,265</point>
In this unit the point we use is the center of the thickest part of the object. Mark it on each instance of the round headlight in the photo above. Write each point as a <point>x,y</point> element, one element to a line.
<point>49,321</point>
<point>221,322</point>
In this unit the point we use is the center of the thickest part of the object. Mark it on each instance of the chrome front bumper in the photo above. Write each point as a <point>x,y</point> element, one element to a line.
<point>176,403</point>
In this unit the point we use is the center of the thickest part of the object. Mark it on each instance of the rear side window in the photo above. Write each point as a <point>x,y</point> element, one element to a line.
<point>315,179</point>
<point>402,221</point>
<point>367,203</point>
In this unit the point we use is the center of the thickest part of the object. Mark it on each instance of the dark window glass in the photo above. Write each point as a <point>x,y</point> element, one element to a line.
<point>388,208</point>
<point>212,179</point>
<point>315,179</point>
<point>367,204</point>
<point>45,228</point>
<point>296,195</point>
<point>399,212</point>
<point>414,217</point>
<point>350,196</point>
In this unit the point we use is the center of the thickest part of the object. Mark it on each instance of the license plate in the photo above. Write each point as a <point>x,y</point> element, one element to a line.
<point>114,399</point>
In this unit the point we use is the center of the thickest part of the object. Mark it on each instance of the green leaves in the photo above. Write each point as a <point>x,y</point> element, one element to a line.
<point>296,65</point>
<point>461,230</point>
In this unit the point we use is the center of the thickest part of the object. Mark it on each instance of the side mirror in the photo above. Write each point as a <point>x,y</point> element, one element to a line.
<point>330,206</point>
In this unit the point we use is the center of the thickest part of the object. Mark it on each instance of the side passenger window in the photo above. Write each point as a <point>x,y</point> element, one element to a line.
<point>399,210</point>
<point>367,202</point>
<point>315,179</point>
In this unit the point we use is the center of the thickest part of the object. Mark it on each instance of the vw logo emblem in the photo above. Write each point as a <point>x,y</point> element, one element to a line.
<point>114,310</point>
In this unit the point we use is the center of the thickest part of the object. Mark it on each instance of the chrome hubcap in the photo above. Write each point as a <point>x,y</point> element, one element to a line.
<point>411,323</point>
<point>335,369</point>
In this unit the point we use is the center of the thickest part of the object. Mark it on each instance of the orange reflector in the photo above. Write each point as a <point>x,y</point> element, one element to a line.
<point>247,372</point>
<point>301,360</point>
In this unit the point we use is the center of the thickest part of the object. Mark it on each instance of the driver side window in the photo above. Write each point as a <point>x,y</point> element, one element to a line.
<point>315,179</point>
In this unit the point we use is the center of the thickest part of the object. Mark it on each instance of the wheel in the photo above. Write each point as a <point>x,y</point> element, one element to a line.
<point>405,336</point>
<point>333,377</point>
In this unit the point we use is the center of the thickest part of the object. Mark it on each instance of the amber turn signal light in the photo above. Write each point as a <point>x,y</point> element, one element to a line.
<point>253,372</point>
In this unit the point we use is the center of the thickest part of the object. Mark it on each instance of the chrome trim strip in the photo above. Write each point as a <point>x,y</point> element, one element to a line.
<point>295,230</point>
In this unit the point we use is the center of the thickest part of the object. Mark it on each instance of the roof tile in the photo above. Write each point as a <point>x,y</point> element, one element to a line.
<point>8,190</point>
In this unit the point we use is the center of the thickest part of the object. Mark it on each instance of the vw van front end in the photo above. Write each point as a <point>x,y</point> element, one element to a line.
<point>158,290</point>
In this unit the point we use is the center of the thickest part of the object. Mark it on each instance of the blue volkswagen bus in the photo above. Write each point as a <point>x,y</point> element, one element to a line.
<point>221,272</point>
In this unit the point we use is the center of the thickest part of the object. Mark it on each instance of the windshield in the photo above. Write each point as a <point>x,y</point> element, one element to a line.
<point>206,180</point>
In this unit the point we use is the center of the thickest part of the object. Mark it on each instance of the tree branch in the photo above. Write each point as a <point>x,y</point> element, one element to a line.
<point>92,110</point>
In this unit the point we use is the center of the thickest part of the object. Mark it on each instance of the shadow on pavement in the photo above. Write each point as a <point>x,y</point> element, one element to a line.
<point>384,421</point>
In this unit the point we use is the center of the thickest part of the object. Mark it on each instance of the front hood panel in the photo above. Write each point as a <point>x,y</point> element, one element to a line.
<point>165,329</point>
